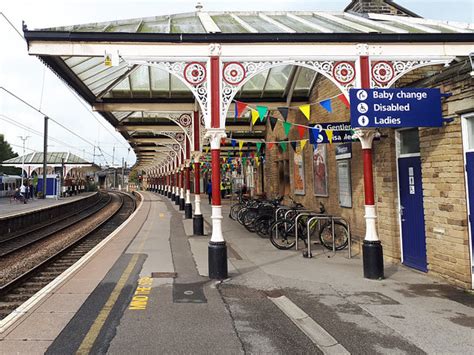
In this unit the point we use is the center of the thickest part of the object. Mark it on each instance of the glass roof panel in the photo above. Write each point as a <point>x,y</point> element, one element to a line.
<point>130,28</point>
<point>227,24</point>
<point>140,79</point>
<point>326,24</point>
<point>255,85</point>
<point>73,61</point>
<point>177,84</point>
<point>278,78</point>
<point>190,24</point>
<point>305,79</point>
<point>99,71</point>
<point>102,81</point>
<point>293,24</point>
<point>259,24</point>
<point>158,26</point>
<point>160,79</point>
<point>87,65</point>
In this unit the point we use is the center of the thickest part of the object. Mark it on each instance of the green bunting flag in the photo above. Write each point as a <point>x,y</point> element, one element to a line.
<point>262,112</point>
<point>283,146</point>
<point>259,145</point>
<point>287,127</point>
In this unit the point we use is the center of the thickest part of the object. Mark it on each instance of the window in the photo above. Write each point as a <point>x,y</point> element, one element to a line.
<point>409,141</point>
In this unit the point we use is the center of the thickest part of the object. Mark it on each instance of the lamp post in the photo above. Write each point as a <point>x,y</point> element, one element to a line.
<point>23,156</point>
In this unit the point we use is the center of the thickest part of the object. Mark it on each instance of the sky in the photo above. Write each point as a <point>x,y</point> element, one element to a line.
<point>95,139</point>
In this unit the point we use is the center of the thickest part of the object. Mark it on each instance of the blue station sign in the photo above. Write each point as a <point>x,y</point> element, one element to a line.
<point>396,108</point>
<point>342,132</point>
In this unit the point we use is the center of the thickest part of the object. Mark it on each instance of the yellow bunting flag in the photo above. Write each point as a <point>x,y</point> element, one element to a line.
<point>241,144</point>
<point>256,161</point>
<point>306,109</point>
<point>329,134</point>
<point>206,150</point>
<point>303,143</point>
<point>255,116</point>
<point>240,153</point>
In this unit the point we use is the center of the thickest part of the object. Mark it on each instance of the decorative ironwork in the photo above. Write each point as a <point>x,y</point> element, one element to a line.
<point>194,73</point>
<point>185,120</point>
<point>385,73</point>
<point>234,73</point>
<point>344,72</point>
<point>382,72</point>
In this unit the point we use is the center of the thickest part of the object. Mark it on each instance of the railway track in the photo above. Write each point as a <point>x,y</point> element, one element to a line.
<point>18,290</point>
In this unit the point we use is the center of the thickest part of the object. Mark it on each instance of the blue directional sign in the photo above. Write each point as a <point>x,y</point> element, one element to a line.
<point>396,108</point>
<point>342,132</point>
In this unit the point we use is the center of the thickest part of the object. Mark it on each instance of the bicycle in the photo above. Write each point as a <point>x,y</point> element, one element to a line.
<point>283,232</point>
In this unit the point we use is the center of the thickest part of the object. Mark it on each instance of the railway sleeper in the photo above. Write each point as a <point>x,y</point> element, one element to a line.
<point>17,298</point>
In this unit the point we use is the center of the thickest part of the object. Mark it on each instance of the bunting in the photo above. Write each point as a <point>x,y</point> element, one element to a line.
<point>344,100</point>
<point>283,145</point>
<point>255,116</point>
<point>287,127</point>
<point>303,143</point>
<point>313,137</point>
<point>273,122</point>
<point>293,145</point>
<point>262,112</point>
<point>270,145</point>
<point>301,131</point>
<point>306,109</point>
<point>259,145</point>
<point>233,142</point>
<point>284,112</point>
<point>240,108</point>
<point>241,143</point>
<point>326,104</point>
<point>329,135</point>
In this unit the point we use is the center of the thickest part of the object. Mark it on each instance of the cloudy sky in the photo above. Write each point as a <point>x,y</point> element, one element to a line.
<point>29,79</point>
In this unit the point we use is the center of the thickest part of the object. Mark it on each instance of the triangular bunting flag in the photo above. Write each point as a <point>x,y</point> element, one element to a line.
<point>233,142</point>
<point>240,153</point>
<point>270,145</point>
<point>306,109</point>
<point>259,145</point>
<point>254,116</point>
<point>293,144</point>
<point>262,112</point>
<point>256,161</point>
<point>329,135</point>
<point>222,141</point>
<point>284,112</point>
<point>301,131</point>
<point>287,127</point>
<point>283,146</point>
<point>206,150</point>
<point>241,144</point>
<point>315,145</point>
<point>327,105</point>
<point>273,122</point>
<point>303,143</point>
<point>344,100</point>
<point>244,161</point>
<point>240,108</point>
<point>313,137</point>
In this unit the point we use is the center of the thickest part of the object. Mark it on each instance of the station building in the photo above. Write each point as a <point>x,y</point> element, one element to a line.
<point>296,68</point>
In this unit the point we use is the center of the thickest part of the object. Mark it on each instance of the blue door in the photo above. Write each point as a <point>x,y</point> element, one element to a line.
<point>470,186</point>
<point>412,213</point>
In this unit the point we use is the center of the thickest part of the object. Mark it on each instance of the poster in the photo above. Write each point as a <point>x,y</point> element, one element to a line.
<point>298,172</point>
<point>320,171</point>
<point>344,183</point>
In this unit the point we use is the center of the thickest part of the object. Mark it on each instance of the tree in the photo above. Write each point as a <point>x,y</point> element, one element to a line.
<point>133,177</point>
<point>6,152</point>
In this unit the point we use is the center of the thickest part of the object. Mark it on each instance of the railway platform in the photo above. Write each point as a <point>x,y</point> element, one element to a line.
<point>144,290</point>
<point>10,208</point>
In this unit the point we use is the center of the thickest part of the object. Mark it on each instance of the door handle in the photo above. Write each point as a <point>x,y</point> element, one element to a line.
<point>401,210</point>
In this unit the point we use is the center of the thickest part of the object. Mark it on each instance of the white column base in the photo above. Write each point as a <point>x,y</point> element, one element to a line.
<point>197,205</point>
<point>216,218</point>
<point>181,193</point>
<point>370,224</point>
<point>188,197</point>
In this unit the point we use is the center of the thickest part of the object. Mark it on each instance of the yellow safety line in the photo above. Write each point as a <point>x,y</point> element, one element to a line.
<point>95,329</point>
<point>99,322</point>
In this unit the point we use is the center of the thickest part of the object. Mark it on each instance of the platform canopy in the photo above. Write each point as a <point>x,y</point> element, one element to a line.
<point>147,76</point>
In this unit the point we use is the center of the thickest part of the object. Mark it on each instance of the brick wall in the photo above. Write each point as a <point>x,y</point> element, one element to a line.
<point>379,7</point>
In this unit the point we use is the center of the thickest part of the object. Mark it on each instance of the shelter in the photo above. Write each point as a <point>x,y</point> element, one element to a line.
<point>175,84</point>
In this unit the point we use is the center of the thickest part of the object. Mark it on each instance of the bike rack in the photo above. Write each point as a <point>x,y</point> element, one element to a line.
<point>305,213</point>
<point>332,219</point>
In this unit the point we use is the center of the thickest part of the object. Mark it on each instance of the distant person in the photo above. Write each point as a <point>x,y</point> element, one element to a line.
<point>23,192</point>
<point>209,190</point>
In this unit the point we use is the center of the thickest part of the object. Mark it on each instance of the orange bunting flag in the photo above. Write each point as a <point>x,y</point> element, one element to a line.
<point>270,145</point>
<point>240,108</point>
<point>255,116</point>
<point>329,135</point>
<point>241,144</point>
<point>306,109</point>
<point>303,143</point>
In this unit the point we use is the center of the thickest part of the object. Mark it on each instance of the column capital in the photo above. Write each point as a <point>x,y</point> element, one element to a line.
<point>196,155</point>
<point>215,135</point>
<point>366,136</point>
<point>215,49</point>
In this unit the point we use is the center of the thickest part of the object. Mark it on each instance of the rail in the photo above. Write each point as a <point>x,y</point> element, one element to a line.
<point>332,219</point>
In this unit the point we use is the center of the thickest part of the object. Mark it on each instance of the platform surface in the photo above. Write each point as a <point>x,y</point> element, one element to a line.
<point>9,208</point>
<point>146,291</point>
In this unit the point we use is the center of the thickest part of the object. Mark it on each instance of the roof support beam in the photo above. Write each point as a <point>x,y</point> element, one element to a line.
<point>117,81</point>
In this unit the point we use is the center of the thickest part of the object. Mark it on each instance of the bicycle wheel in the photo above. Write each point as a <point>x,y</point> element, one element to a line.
<point>282,234</point>
<point>341,235</point>
<point>262,225</point>
<point>249,220</point>
<point>234,210</point>
<point>241,215</point>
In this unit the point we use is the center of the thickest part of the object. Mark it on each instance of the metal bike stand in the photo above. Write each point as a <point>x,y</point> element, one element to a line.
<point>305,213</point>
<point>317,218</point>
<point>348,231</point>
